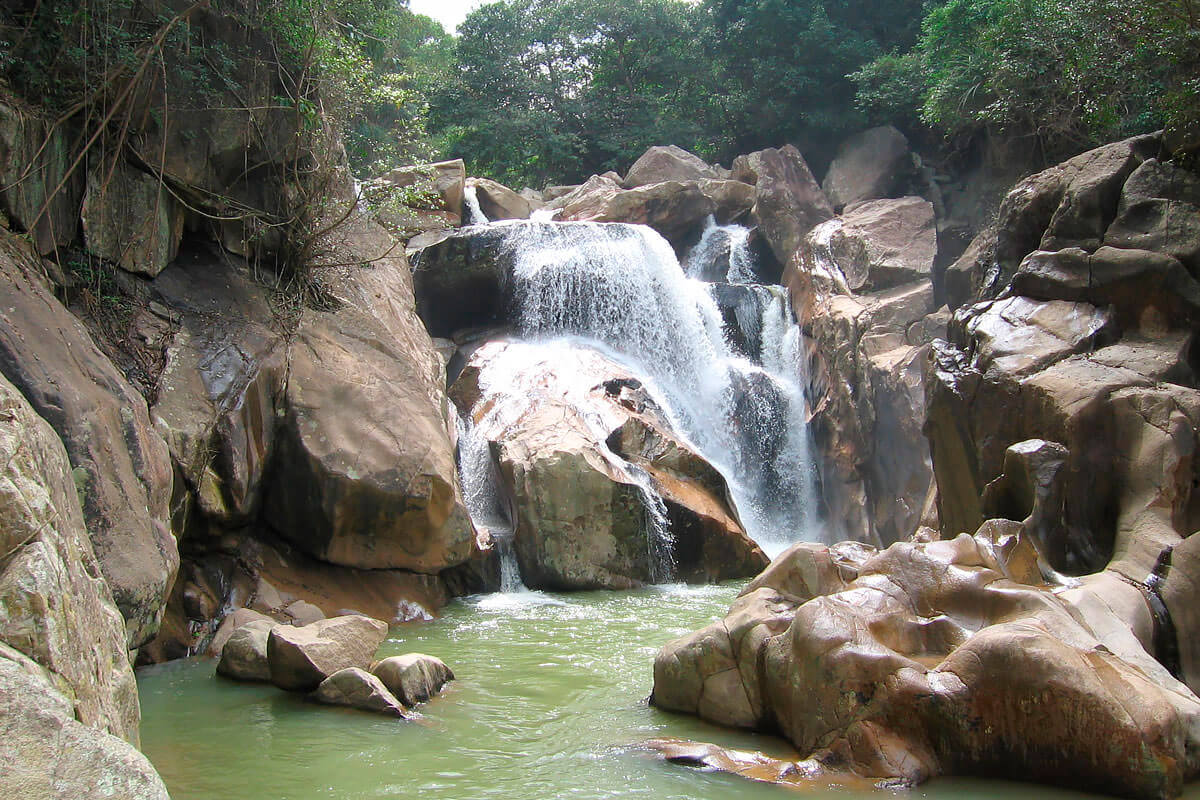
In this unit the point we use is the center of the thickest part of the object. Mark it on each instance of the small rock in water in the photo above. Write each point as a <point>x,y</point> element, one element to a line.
<point>414,678</point>
<point>357,688</point>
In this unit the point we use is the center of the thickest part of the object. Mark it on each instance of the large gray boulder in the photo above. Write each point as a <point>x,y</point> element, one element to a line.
<point>130,218</point>
<point>1160,211</point>
<point>878,244</point>
<point>869,165</point>
<point>55,608</point>
<point>498,202</point>
<point>1068,205</point>
<point>364,471</point>
<point>301,658</point>
<point>244,654</point>
<point>923,659</point>
<point>49,755</point>
<point>676,209</point>
<point>580,518</point>
<point>121,465</point>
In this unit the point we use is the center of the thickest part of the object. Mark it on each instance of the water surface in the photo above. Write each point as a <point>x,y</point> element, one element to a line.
<point>550,694</point>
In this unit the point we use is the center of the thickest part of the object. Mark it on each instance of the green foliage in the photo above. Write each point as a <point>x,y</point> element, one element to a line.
<point>557,89</point>
<point>891,88</point>
<point>1068,73</point>
<point>413,62</point>
<point>785,63</point>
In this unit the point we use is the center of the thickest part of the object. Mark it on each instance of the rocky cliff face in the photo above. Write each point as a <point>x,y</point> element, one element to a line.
<point>68,702</point>
<point>1059,404</point>
<point>193,423</point>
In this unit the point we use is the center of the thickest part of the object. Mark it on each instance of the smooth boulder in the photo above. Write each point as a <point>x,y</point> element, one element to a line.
<point>414,677</point>
<point>244,655</point>
<point>675,209</point>
<point>939,658</point>
<point>877,244</point>
<point>356,688</point>
<point>498,202</point>
<point>868,166</point>
<point>301,658</point>
<point>365,474</point>
<point>670,163</point>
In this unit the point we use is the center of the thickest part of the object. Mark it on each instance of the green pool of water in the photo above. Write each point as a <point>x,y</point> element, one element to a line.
<point>549,697</point>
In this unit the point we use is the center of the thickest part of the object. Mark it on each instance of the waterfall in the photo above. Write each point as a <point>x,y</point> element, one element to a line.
<point>474,214</point>
<point>477,473</point>
<point>622,287</point>
<point>722,254</point>
<point>518,378</point>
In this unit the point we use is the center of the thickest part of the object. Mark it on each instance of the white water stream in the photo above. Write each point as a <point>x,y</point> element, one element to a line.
<point>620,290</point>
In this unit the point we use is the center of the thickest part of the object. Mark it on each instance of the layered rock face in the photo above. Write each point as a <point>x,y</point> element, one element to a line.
<point>318,466</point>
<point>120,463</point>
<point>861,289</point>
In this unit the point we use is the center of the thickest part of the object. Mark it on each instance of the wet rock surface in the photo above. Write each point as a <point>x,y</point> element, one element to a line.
<point>1060,405</point>
<point>575,471</point>
<point>356,688</point>
<point>414,677</point>
<point>924,659</point>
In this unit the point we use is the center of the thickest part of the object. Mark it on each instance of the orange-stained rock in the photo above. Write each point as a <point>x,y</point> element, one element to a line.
<point>365,471</point>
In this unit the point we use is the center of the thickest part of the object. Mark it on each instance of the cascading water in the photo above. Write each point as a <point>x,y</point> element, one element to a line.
<point>521,378</point>
<point>722,254</point>
<point>622,286</point>
<point>473,213</point>
<point>477,473</point>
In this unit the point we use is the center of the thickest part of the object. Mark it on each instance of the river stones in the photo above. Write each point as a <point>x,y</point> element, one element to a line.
<point>357,688</point>
<point>413,678</point>
<point>301,658</point>
<point>244,656</point>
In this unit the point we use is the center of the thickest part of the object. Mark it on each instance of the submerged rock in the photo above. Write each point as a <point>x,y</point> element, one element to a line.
<point>301,658</point>
<point>414,677</point>
<point>357,688</point>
